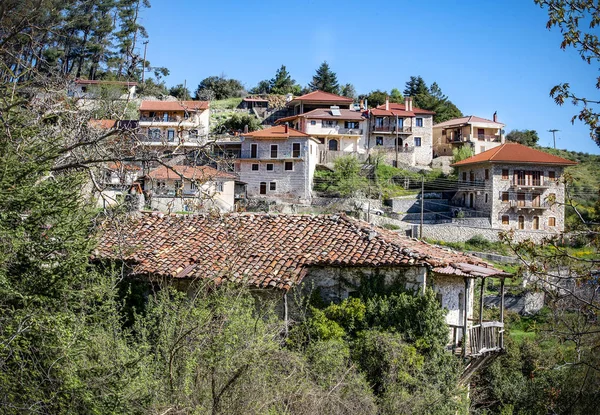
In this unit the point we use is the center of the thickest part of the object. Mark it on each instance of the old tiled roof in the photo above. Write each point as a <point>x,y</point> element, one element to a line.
<point>269,250</point>
<point>280,131</point>
<point>323,97</point>
<point>174,105</point>
<point>200,173</point>
<point>325,114</point>
<point>469,119</point>
<point>515,153</point>
<point>100,82</point>
<point>400,107</point>
<point>117,165</point>
<point>103,124</point>
<point>391,113</point>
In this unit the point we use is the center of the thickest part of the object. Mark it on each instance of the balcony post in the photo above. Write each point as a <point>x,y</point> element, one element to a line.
<point>502,312</point>
<point>465,318</point>
<point>481,301</point>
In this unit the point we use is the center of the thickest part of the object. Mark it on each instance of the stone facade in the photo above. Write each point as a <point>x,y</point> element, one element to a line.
<point>478,133</point>
<point>174,128</point>
<point>515,196</point>
<point>278,169</point>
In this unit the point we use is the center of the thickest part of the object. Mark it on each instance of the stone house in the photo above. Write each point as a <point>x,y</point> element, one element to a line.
<point>170,124</point>
<point>401,133</point>
<point>189,189</point>
<point>336,255</point>
<point>91,88</point>
<point>479,133</point>
<point>340,131</point>
<point>317,100</point>
<point>518,187</point>
<point>278,163</point>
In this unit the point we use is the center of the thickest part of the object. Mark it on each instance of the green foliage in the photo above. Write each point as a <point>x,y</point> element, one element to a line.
<point>237,122</point>
<point>348,91</point>
<point>180,92</point>
<point>461,153</point>
<point>219,87</point>
<point>376,98</point>
<point>151,87</point>
<point>396,96</point>
<point>324,80</point>
<point>526,137</point>
<point>283,83</point>
<point>431,98</point>
<point>345,180</point>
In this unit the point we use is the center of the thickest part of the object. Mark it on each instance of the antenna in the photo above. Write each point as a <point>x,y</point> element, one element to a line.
<point>553,131</point>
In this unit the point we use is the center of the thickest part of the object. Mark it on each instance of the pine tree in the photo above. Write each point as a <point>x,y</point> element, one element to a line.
<point>325,80</point>
<point>415,86</point>
<point>283,82</point>
<point>348,91</point>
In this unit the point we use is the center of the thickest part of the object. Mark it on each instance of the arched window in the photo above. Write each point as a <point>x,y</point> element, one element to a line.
<point>333,145</point>
<point>536,222</point>
<point>521,222</point>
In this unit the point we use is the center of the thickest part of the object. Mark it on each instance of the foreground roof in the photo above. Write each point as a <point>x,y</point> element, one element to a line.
<point>199,173</point>
<point>279,131</point>
<point>269,250</point>
<point>322,96</point>
<point>326,114</point>
<point>515,153</point>
<point>395,107</point>
<point>174,105</point>
<point>469,119</point>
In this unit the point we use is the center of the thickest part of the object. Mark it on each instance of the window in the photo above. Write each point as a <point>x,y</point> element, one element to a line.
<point>552,175</point>
<point>417,141</point>
<point>253,151</point>
<point>379,122</point>
<point>536,222</point>
<point>193,134</point>
<point>418,122</point>
<point>178,187</point>
<point>329,123</point>
<point>487,174</point>
<point>219,186</point>
<point>471,176</point>
<point>170,135</point>
<point>270,166</point>
<point>504,174</point>
<point>504,197</point>
<point>254,166</point>
<point>486,198</point>
<point>464,176</point>
<point>313,122</point>
<point>154,134</point>
<point>295,150</point>
<point>505,220</point>
<point>482,149</point>
<point>521,199</point>
<point>351,124</point>
<point>193,185</point>
<point>521,222</point>
<point>274,150</point>
<point>378,141</point>
<point>289,166</point>
<point>273,186</point>
<point>400,122</point>
<point>551,221</point>
<point>165,116</point>
<point>333,145</point>
<point>263,188</point>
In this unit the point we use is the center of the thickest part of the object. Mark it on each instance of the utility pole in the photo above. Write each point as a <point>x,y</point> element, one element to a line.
<point>144,64</point>
<point>422,206</point>
<point>553,131</point>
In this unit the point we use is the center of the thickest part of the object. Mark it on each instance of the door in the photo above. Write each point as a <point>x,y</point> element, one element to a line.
<point>480,133</point>
<point>471,200</point>
<point>521,199</point>
<point>536,222</point>
<point>263,188</point>
<point>535,202</point>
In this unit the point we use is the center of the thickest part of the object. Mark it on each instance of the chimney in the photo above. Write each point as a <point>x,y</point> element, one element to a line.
<point>406,103</point>
<point>387,104</point>
<point>362,104</point>
<point>285,128</point>
<point>410,107</point>
<point>495,117</point>
<point>246,129</point>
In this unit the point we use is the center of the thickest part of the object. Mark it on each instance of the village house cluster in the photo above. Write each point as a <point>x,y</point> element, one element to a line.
<point>513,186</point>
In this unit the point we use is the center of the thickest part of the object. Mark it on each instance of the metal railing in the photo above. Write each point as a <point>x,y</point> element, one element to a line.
<point>392,129</point>
<point>524,182</point>
<point>354,131</point>
<point>176,118</point>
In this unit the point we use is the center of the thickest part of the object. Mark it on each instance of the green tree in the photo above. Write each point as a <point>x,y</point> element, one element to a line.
<point>348,91</point>
<point>461,153</point>
<point>396,96</point>
<point>180,92</point>
<point>324,80</point>
<point>376,98</point>
<point>237,123</point>
<point>263,87</point>
<point>526,137</point>
<point>567,15</point>
<point>416,87</point>
<point>219,87</point>
<point>347,178</point>
<point>283,83</point>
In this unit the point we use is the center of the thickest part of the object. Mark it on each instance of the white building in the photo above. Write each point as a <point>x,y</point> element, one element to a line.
<point>278,163</point>
<point>479,133</point>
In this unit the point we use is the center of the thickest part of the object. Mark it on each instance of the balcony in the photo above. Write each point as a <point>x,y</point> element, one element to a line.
<point>530,183</point>
<point>163,139</point>
<point>528,205</point>
<point>168,120</point>
<point>392,129</point>
<point>268,155</point>
<point>472,184</point>
<point>350,131</point>
<point>473,137</point>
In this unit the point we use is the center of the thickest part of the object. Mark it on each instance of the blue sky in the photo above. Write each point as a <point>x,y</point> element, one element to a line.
<point>486,55</point>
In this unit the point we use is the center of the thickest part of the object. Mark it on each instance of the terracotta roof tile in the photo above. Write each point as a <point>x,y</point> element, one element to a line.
<point>174,105</point>
<point>269,250</point>
<point>279,131</point>
<point>515,153</point>
<point>469,119</point>
<point>325,114</point>
<point>200,173</point>
<point>323,96</point>
<point>400,107</point>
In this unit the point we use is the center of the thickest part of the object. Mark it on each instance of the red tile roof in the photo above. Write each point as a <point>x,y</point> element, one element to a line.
<point>123,166</point>
<point>469,119</point>
<point>400,107</point>
<point>199,173</point>
<point>174,105</point>
<point>101,82</point>
<point>325,114</point>
<point>515,153</point>
<point>385,113</point>
<point>103,124</point>
<point>279,131</point>
<point>324,97</point>
<point>269,250</point>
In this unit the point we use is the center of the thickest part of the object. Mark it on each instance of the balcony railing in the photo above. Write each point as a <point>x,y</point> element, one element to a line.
<point>474,137</point>
<point>528,204</point>
<point>540,183</point>
<point>392,129</point>
<point>268,155</point>
<point>479,184</point>
<point>165,119</point>
<point>353,131</point>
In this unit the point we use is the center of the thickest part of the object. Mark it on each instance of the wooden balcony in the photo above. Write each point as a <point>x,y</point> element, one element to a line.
<point>528,205</point>
<point>526,184</point>
<point>392,129</point>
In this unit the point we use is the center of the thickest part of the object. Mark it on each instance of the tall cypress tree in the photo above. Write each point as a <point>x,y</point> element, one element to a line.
<point>325,80</point>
